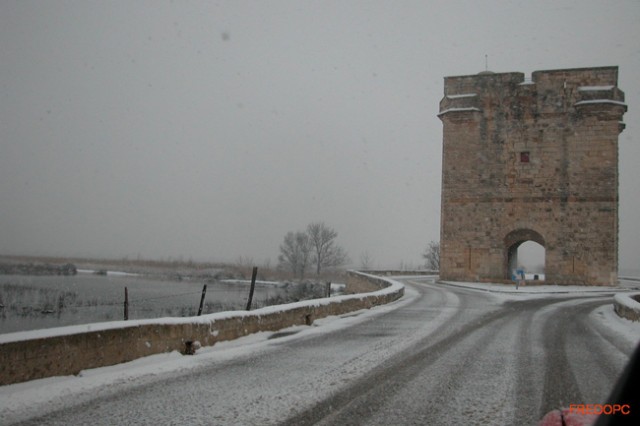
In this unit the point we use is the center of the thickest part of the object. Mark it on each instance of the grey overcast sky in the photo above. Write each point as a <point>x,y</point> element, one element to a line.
<point>207,130</point>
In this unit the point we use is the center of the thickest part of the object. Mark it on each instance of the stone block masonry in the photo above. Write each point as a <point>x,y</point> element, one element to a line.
<point>531,161</point>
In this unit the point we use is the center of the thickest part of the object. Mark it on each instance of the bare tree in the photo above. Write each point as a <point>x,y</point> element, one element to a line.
<point>295,252</point>
<point>326,254</point>
<point>366,261</point>
<point>432,256</point>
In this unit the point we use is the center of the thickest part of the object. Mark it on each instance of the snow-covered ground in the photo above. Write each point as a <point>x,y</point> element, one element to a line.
<point>604,316</point>
<point>22,401</point>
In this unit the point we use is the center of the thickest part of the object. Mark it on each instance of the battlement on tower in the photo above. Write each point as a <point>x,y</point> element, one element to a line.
<point>578,91</point>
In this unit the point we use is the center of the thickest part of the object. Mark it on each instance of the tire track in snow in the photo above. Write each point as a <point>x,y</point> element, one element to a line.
<point>529,383</point>
<point>595,360</point>
<point>366,396</point>
<point>445,370</point>
<point>578,368</point>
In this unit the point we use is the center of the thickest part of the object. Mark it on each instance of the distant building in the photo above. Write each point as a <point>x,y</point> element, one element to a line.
<point>531,160</point>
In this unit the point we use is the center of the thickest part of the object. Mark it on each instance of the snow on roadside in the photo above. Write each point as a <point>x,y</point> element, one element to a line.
<point>22,401</point>
<point>626,301</point>
<point>622,327</point>
<point>394,286</point>
<point>605,315</point>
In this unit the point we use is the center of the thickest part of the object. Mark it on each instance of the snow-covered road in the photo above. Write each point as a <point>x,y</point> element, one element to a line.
<point>441,355</point>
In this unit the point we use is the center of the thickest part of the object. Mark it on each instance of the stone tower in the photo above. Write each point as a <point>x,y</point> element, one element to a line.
<point>531,160</point>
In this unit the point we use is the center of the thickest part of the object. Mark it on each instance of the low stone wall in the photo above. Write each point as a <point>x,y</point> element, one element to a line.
<point>359,283</point>
<point>627,306</point>
<point>401,272</point>
<point>366,281</point>
<point>68,350</point>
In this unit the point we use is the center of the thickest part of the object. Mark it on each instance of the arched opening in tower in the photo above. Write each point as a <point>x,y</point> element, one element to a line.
<point>526,255</point>
<point>531,260</point>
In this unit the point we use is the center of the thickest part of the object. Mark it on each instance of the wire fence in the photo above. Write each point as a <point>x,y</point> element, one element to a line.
<point>25,307</point>
<point>64,302</point>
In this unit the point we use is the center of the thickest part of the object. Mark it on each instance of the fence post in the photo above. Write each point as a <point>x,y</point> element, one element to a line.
<point>253,286</point>
<point>328,289</point>
<point>204,292</point>
<point>126,304</point>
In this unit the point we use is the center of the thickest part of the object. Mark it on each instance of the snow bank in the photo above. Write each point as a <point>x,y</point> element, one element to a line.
<point>626,306</point>
<point>68,350</point>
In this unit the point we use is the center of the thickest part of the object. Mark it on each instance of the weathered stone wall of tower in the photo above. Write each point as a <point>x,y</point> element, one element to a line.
<point>531,160</point>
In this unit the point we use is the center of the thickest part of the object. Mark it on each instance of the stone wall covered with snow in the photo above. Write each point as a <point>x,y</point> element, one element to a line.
<point>68,350</point>
<point>627,306</point>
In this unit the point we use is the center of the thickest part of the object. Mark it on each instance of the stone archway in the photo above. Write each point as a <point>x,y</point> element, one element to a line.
<point>512,241</point>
